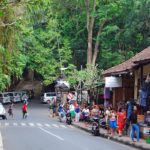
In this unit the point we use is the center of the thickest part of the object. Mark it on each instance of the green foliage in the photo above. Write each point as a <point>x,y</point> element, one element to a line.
<point>47,35</point>
<point>89,77</point>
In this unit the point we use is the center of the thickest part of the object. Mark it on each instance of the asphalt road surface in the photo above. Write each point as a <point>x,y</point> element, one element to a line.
<point>40,132</point>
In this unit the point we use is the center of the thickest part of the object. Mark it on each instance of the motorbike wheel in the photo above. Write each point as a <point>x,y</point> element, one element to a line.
<point>95,129</point>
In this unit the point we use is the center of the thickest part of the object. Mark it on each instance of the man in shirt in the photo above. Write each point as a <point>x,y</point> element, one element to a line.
<point>134,124</point>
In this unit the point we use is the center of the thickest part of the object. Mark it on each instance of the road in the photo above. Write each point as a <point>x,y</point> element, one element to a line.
<point>40,132</point>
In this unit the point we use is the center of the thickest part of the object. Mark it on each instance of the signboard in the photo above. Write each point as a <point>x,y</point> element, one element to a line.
<point>113,82</point>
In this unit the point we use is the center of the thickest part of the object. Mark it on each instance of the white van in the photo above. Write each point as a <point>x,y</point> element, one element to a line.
<point>47,97</point>
<point>4,98</point>
<point>14,96</point>
<point>17,97</point>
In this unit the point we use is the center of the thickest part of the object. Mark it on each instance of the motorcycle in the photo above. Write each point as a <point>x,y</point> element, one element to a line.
<point>62,116</point>
<point>68,118</point>
<point>95,126</point>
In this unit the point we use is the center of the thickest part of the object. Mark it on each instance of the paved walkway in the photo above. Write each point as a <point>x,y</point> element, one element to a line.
<point>124,139</point>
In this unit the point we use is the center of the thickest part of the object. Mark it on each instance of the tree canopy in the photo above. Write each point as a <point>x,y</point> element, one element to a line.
<point>46,35</point>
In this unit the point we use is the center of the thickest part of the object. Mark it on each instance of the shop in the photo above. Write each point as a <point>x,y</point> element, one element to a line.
<point>135,76</point>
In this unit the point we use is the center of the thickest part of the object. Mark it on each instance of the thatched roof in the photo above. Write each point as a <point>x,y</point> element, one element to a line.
<point>143,56</point>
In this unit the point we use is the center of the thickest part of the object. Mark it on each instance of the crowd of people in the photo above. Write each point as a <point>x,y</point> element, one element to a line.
<point>115,121</point>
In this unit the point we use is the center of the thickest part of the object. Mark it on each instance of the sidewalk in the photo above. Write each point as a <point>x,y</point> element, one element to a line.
<point>124,139</point>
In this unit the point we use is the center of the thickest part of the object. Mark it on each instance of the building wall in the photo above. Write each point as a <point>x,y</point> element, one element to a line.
<point>126,92</point>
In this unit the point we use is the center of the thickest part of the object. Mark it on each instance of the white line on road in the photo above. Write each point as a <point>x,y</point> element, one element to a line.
<point>31,124</point>
<point>63,126</point>
<point>47,125</point>
<point>6,124</point>
<point>15,124</point>
<point>55,125</point>
<point>1,142</point>
<point>38,124</point>
<point>23,124</point>
<point>58,137</point>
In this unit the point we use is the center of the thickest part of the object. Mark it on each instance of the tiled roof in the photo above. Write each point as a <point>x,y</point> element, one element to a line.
<point>129,64</point>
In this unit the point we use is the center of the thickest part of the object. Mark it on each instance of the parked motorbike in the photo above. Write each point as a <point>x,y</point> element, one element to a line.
<point>95,126</point>
<point>62,116</point>
<point>68,118</point>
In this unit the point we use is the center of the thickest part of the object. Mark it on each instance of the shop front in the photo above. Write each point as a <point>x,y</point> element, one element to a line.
<point>135,74</point>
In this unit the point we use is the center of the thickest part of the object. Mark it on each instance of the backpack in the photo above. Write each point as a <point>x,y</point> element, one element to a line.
<point>24,108</point>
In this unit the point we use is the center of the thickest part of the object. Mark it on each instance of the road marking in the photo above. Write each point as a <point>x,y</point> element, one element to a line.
<point>23,124</point>
<point>31,124</point>
<point>63,126</point>
<point>6,124</point>
<point>1,142</point>
<point>15,124</point>
<point>55,125</point>
<point>58,137</point>
<point>38,124</point>
<point>47,125</point>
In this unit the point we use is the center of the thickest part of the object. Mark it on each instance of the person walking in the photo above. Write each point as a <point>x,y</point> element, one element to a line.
<point>10,110</point>
<point>121,116</point>
<point>24,111</point>
<point>134,125</point>
<point>53,107</point>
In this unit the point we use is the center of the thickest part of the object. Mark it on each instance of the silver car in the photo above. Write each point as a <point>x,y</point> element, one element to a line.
<point>2,112</point>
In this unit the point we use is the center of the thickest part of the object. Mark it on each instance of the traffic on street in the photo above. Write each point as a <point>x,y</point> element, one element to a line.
<point>41,132</point>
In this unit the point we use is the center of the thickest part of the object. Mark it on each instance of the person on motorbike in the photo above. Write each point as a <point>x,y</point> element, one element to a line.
<point>95,112</point>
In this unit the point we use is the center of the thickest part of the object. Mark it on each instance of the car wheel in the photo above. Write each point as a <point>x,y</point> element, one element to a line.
<point>3,117</point>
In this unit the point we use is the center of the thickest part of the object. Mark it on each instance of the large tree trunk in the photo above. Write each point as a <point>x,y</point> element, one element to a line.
<point>90,26</point>
<point>96,49</point>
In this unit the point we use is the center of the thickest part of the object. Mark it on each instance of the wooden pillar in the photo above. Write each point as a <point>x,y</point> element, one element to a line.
<point>136,84</point>
<point>123,97</point>
<point>114,98</point>
<point>141,77</point>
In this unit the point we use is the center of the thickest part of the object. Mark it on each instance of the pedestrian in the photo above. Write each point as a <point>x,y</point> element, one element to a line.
<point>53,107</point>
<point>24,111</point>
<point>77,113</point>
<point>10,110</point>
<point>95,111</point>
<point>134,125</point>
<point>112,122</point>
<point>72,111</point>
<point>121,116</point>
<point>86,114</point>
<point>107,116</point>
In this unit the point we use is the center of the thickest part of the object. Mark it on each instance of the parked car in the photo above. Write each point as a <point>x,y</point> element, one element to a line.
<point>14,96</point>
<point>11,95</point>
<point>4,98</point>
<point>17,97</point>
<point>47,97</point>
<point>2,111</point>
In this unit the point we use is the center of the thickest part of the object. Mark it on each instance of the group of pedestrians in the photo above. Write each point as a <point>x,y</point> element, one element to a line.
<point>115,121</point>
<point>24,110</point>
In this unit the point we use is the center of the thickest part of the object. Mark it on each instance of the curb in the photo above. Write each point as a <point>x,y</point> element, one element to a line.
<point>114,139</point>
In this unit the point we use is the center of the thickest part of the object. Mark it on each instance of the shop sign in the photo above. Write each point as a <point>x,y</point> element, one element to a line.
<point>113,82</point>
